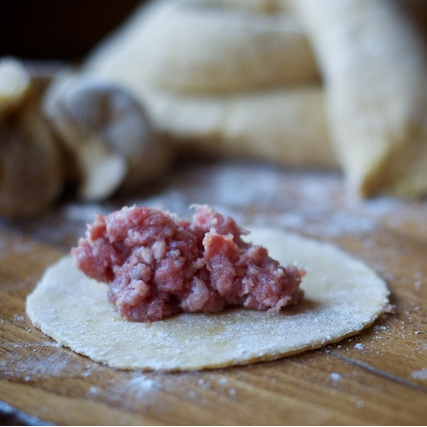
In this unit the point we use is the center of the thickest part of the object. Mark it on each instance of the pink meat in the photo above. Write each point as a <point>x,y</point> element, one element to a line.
<point>158,265</point>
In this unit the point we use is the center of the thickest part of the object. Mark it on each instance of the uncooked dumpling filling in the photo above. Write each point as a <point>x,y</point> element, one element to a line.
<point>158,265</point>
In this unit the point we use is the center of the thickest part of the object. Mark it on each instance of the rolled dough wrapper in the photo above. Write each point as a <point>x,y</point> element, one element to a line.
<point>375,67</point>
<point>208,46</point>
<point>343,296</point>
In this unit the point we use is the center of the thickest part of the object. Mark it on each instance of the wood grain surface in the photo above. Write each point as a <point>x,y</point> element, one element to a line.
<point>378,377</point>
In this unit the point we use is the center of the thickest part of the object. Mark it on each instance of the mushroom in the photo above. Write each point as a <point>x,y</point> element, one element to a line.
<point>31,175</point>
<point>108,134</point>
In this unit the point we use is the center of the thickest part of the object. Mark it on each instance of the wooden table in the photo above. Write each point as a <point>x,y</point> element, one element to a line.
<point>378,377</point>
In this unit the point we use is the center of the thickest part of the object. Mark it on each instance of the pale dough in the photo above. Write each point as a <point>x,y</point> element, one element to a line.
<point>208,46</point>
<point>285,126</point>
<point>343,296</point>
<point>242,84</point>
<point>375,67</point>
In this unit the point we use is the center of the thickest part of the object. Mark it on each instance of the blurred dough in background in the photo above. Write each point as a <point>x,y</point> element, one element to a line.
<point>339,84</point>
<point>369,53</point>
<point>231,78</point>
<point>373,59</point>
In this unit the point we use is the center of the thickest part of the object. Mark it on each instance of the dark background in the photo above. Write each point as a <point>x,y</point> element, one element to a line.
<point>68,29</point>
<point>58,29</point>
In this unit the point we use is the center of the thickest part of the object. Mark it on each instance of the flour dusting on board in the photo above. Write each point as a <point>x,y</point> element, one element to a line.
<point>313,202</point>
<point>40,363</point>
<point>419,374</point>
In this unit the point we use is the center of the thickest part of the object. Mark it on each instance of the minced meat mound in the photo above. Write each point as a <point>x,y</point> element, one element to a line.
<point>158,265</point>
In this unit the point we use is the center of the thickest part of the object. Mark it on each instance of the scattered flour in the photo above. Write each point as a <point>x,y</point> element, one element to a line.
<point>419,374</point>
<point>360,404</point>
<point>313,201</point>
<point>418,284</point>
<point>222,381</point>
<point>142,388</point>
<point>93,391</point>
<point>141,384</point>
<point>82,212</point>
<point>232,392</point>
<point>35,366</point>
<point>335,377</point>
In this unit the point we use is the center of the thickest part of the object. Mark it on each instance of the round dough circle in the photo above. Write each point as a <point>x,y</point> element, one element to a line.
<point>342,297</point>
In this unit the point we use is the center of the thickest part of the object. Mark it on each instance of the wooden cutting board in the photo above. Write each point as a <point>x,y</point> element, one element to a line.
<point>377,377</point>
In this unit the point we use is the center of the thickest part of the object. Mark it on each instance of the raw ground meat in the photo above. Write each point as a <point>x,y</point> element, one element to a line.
<point>158,265</point>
